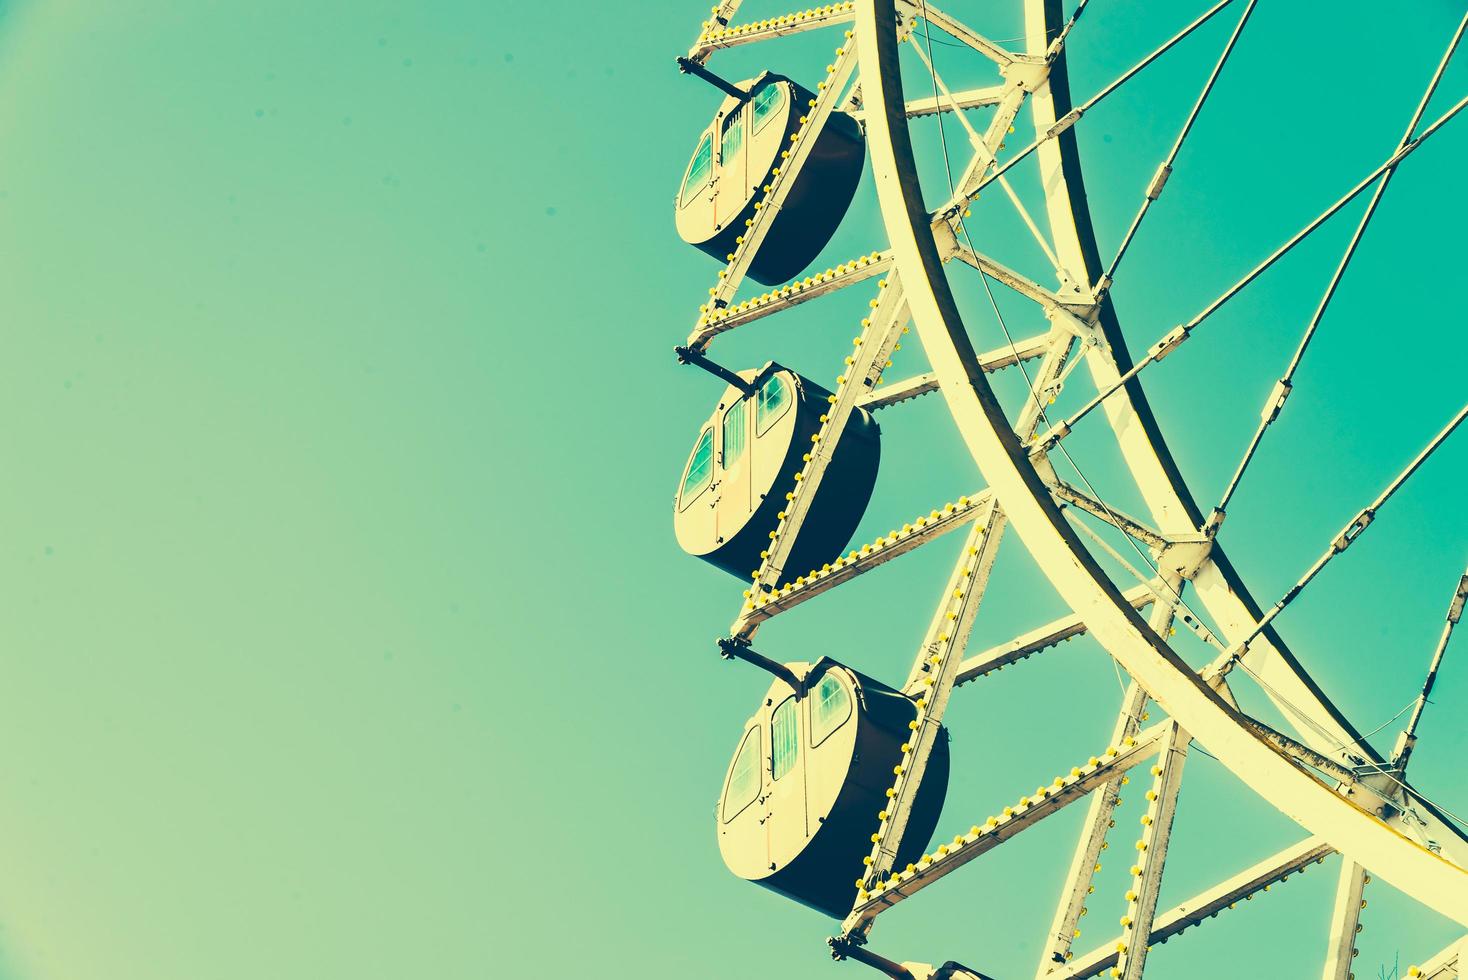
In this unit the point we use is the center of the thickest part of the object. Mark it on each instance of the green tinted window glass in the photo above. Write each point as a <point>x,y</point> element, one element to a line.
<point>698,170</point>
<point>744,779</point>
<point>829,709</point>
<point>784,742</point>
<point>733,137</point>
<point>767,102</point>
<point>774,398</point>
<point>700,467</point>
<point>736,427</point>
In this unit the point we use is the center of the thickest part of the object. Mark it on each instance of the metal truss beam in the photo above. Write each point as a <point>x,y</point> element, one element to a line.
<point>1447,965</point>
<point>803,140</point>
<point>1152,853</point>
<point>1067,563</point>
<point>1065,927</point>
<point>991,361</point>
<point>1124,522</point>
<point>1206,904</point>
<point>787,296</point>
<point>1051,634</point>
<point>1016,281</point>
<point>897,542</point>
<point>1015,819</point>
<point>971,98</point>
<point>1345,922</point>
<point>863,370</point>
<point>930,683</point>
<point>967,35</point>
<point>719,34</point>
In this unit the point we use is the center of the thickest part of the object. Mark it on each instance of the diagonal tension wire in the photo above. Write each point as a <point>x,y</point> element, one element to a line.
<point>1283,387</point>
<point>1009,338</point>
<point>1170,341</point>
<point>1165,170</point>
<point>1342,541</point>
<point>956,205</point>
<point>1455,612</point>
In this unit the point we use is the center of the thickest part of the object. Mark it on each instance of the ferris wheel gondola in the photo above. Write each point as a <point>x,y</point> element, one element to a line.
<point>734,485</point>
<point>737,157</point>
<point>809,777</point>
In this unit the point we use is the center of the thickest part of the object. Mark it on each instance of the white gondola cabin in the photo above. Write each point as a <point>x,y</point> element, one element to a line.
<point>735,159</point>
<point>808,778</point>
<point>744,461</point>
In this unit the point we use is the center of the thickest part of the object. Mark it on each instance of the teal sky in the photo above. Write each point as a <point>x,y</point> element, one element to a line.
<point>344,634</point>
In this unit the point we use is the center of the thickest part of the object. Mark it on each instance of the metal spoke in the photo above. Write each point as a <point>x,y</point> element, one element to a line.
<point>1282,388</point>
<point>968,188</point>
<point>1173,338</point>
<point>1408,739</point>
<point>981,147</point>
<point>973,98</point>
<point>967,35</point>
<point>1342,541</point>
<point>1154,189</point>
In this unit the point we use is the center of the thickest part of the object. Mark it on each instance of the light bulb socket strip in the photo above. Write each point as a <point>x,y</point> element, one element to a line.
<point>1096,772</point>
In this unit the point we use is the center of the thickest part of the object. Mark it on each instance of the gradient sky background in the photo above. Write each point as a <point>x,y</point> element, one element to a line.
<point>343,632</point>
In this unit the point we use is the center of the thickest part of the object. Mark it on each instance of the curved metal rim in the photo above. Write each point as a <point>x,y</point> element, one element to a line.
<point>1066,562</point>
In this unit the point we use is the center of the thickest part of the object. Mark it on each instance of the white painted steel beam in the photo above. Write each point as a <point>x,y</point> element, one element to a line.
<point>1151,856</point>
<point>1012,821</point>
<point>1447,965</point>
<point>1086,861</point>
<point>717,36</point>
<point>859,377</point>
<point>1052,633</point>
<point>995,360</point>
<point>1205,905</point>
<point>858,561</point>
<point>1070,568</point>
<point>930,682</point>
<point>785,297</point>
<point>1345,922</point>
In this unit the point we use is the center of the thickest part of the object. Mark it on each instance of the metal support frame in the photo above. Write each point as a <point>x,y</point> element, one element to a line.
<point>1448,965</point>
<point>1065,927</point>
<point>1408,739</point>
<point>1057,551</point>
<point>718,34</point>
<point>1345,921</point>
<point>828,93</point>
<point>1013,820</point>
<point>1152,853</point>
<point>864,367</point>
<point>1206,904</point>
<point>930,683</point>
<point>1051,634</point>
<point>1100,608</point>
<point>872,555</point>
<point>991,361</point>
<point>792,294</point>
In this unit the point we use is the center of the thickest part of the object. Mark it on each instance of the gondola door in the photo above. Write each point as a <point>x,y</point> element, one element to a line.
<point>786,825</point>
<point>730,190</point>
<point>735,483</point>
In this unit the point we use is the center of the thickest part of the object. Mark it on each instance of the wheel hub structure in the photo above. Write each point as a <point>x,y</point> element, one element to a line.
<point>1316,768</point>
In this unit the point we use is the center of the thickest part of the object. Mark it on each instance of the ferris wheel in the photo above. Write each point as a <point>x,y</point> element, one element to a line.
<point>838,781</point>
